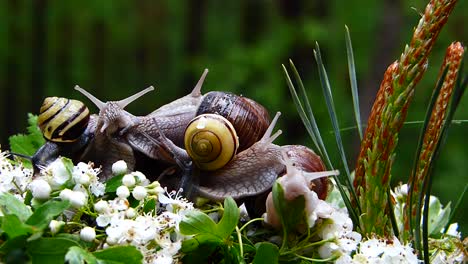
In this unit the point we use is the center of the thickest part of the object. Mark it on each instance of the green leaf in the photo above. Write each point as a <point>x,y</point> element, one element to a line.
<point>113,183</point>
<point>197,223</point>
<point>46,212</point>
<point>9,204</point>
<point>438,216</point>
<point>119,254</point>
<point>28,144</point>
<point>77,255</point>
<point>201,240</point>
<point>266,253</point>
<point>291,213</point>
<point>49,250</point>
<point>149,206</point>
<point>14,227</point>
<point>13,244</point>
<point>230,218</point>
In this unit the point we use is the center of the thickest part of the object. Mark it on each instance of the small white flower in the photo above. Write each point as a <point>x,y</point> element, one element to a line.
<point>128,180</point>
<point>119,167</point>
<point>84,179</point>
<point>97,188</point>
<point>140,193</point>
<point>57,174</point>
<point>141,178</point>
<point>102,206</point>
<point>103,220</point>
<point>55,226</point>
<point>87,234</point>
<point>40,189</point>
<point>453,230</point>
<point>123,192</point>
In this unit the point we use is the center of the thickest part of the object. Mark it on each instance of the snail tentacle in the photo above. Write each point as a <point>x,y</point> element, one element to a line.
<point>100,105</point>
<point>124,102</point>
<point>196,92</point>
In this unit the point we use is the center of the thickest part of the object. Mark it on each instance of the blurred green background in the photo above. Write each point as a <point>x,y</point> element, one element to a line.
<point>116,48</point>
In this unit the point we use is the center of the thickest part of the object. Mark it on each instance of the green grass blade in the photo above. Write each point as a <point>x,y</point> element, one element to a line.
<point>414,225</point>
<point>333,117</point>
<point>455,208</point>
<point>353,80</point>
<point>311,125</point>
<point>396,232</point>
<point>301,112</point>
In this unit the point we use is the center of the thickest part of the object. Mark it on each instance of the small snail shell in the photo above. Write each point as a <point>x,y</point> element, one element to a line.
<point>62,120</point>
<point>249,118</point>
<point>211,141</point>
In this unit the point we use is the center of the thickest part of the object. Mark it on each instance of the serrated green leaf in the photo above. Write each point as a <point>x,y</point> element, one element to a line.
<point>9,204</point>
<point>197,223</point>
<point>49,250</point>
<point>113,183</point>
<point>27,144</point>
<point>266,253</point>
<point>34,132</point>
<point>77,255</point>
<point>14,227</point>
<point>119,254</point>
<point>230,218</point>
<point>46,212</point>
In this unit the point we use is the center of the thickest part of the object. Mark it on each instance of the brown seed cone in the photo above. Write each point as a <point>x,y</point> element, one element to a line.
<point>452,60</point>
<point>372,176</point>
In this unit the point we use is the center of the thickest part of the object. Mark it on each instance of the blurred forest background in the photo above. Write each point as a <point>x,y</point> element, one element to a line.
<point>116,48</point>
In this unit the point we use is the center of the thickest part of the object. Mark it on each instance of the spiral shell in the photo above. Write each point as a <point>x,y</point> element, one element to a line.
<point>249,118</point>
<point>62,120</point>
<point>211,141</point>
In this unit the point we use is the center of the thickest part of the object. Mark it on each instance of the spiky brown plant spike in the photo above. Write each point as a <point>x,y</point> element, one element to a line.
<point>372,176</point>
<point>452,60</point>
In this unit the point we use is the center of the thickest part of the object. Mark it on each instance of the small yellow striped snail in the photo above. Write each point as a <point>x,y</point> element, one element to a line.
<point>62,120</point>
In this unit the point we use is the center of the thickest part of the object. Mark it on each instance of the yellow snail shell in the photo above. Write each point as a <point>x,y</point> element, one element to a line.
<point>211,141</point>
<point>62,120</point>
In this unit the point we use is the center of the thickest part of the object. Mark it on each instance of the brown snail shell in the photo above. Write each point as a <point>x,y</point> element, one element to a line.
<point>306,160</point>
<point>62,120</point>
<point>249,118</point>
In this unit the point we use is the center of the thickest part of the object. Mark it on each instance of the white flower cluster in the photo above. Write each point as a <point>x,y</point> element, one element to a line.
<point>381,251</point>
<point>74,183</point>
<point>156,236</point>
<point>14,178</point>
<point>140,214</point>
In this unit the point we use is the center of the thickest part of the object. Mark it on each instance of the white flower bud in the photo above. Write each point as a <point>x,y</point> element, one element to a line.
<point>55,226</point>
<point>87,234</point>
<point>141,178</point>
<point>123,192</point>
<point>40,189</point>
<point>120,167</point>
<point>130,213</point>
<point>84,179</point>
<point>102,206</point>
<point>128,180</point>
<point>78,199</point>
<point>140,193</point>
<point>66,194</point>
